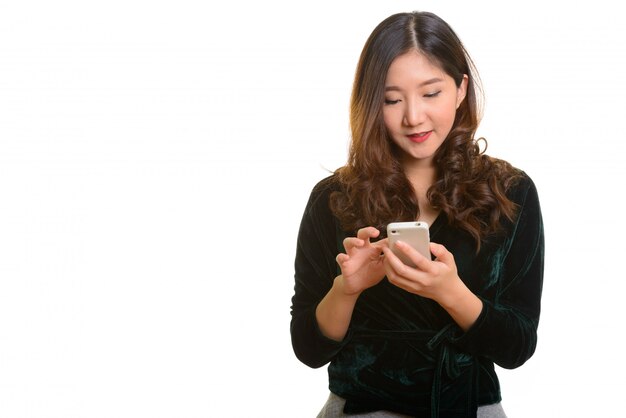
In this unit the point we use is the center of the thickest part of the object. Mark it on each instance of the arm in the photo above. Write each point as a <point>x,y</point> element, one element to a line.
<point>361,268</point>
<point>506,329</point>
<point>315,272</point>
<point>503,326</point>
<point>323,304</point>
<point>437,280</point>
<point>334,312</point>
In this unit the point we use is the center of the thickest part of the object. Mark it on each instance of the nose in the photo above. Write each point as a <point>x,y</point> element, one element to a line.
<point>414,113</point>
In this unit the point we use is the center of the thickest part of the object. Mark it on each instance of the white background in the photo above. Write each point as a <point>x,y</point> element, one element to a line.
<point>155,159</point>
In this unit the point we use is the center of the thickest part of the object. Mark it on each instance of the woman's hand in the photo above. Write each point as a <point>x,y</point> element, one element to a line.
<point>437,279</point>
<point>361,268</point>
<point>362,265</point>
<point>430,279</point>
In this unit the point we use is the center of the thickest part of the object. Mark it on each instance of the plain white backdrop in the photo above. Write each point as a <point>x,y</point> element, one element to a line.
<point>155,159</point>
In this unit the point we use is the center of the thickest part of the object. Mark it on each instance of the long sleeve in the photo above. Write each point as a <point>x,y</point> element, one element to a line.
<point>506,330</point>
<point>315,270</point>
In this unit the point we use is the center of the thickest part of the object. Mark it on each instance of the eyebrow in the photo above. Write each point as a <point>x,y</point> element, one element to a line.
<point>425,83</point>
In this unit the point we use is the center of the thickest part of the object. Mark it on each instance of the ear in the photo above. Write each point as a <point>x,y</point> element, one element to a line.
<point>461,91</point>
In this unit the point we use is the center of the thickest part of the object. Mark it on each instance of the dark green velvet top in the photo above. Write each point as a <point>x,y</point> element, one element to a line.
<point>403,352</point>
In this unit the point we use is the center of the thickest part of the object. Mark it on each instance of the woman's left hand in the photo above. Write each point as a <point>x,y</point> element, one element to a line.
<point>434,279</point>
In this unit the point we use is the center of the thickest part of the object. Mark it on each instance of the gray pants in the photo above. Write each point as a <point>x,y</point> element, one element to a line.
<point>334,408</point>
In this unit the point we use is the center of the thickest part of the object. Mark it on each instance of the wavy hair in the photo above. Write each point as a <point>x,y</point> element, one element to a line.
<point>470,187</point>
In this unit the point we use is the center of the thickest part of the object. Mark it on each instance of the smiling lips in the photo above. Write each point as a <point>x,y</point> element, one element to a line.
<point>419,137</point>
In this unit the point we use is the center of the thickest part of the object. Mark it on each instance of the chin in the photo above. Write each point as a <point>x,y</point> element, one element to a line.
<point>419,156</point>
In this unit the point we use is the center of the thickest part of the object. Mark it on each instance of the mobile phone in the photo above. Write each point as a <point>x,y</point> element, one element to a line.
<point>413,233</point>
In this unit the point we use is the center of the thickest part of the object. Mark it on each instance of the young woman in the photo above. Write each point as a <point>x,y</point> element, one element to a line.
<point>417,341</point>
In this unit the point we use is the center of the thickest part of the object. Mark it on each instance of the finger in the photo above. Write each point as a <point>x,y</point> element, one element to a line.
<point>383,243</point>
<point>342,258</point>
<point>367,233</point>
<point>395,266</point>
<point>398,273</point>
<point>389,254</point>
<point>405,284</point>
<point>441,253</point>
<point>352,242</point>
<point>415,256</point>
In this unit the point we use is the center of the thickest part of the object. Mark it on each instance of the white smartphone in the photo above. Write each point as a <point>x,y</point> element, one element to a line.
<point>413,233</point>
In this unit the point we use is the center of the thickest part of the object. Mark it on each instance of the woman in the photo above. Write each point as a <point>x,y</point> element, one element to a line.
<point>417,341</point>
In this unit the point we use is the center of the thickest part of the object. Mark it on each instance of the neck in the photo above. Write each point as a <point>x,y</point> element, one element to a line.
<point>421,176</point>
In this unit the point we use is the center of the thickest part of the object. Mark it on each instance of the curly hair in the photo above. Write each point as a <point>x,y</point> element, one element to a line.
<point>470,187</point>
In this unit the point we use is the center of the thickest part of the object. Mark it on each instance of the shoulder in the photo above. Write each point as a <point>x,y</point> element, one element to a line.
<point>516,183</point>
<point>323,189</point>
<point>326,185</point>
<point>319,200</point>
<point>318,219</point>
<point>522,189</point>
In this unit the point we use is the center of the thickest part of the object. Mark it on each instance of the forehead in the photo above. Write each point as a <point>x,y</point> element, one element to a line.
<point>414,67</point>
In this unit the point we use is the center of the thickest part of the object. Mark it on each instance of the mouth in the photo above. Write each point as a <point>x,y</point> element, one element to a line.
<point>419,137</point>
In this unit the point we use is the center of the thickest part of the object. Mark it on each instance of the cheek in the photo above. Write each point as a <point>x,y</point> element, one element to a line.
<point>446,113</point>
<point>388,120</point>
<point>392,118</point>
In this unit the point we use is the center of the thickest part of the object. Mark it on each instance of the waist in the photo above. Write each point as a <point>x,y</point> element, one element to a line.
<point>410,371</point>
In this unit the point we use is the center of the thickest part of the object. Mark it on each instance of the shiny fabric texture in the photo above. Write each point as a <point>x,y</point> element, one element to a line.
<point>404,353</point>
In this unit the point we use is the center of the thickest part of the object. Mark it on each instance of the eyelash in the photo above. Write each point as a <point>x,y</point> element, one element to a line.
<point>428,96</point>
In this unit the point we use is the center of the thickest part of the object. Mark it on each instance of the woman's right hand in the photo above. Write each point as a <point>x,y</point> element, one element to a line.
<point>362,265</point>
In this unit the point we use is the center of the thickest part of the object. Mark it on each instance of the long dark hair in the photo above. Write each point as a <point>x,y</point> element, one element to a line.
<point>470,187</point>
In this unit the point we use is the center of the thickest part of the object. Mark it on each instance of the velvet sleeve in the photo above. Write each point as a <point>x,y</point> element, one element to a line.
<point>506,330</point>
<point>315,271</point>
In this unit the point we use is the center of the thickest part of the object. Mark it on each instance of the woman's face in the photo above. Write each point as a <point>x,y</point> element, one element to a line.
<point>420,106</point>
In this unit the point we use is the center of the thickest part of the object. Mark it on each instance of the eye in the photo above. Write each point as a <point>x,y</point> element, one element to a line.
<point>435,94</point>
<point>391,102</point>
